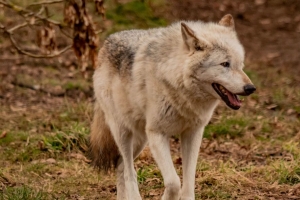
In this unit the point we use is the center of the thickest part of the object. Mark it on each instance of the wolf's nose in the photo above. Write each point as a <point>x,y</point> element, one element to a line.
<point>249,89</point>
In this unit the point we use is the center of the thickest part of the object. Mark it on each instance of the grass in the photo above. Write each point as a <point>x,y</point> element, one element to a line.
<point>76,85</point>
<point>47,150</point>
<point>230,127</point>
<point>22,193</point>
<point>72,138</point>
<point>142,175</point>
<point>132,15</point>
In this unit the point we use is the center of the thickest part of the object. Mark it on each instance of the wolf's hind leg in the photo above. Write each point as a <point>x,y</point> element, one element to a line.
<point>138,146</point>
<point>160,149</point>
<point>124,141</point>
<point>121,190</point>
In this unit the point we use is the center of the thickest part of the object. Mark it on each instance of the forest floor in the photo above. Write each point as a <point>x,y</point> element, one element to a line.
<point>252,153</point>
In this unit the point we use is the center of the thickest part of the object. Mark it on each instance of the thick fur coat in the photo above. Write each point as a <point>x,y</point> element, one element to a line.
<point>152,84</point>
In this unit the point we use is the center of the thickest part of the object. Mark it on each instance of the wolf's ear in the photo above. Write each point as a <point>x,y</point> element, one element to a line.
<point>192,43</point>
<point>227,21</point>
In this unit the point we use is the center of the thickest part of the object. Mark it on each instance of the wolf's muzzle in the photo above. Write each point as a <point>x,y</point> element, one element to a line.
<point>249,89</point>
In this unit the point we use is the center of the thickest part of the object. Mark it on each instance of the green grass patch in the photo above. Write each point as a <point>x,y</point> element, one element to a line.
<point>142,175</point>
<point>279,96</point>
<point>51,82</point>
<point>254,77</point>
<point>266,127</point>
<point>82,85</point>
<point>231,127</point>
<point>214,194</point>
<point>39,168</point>
<point>28,154</point>
<point>288,174</point>
<point>134,14</point>
<point>21,146</point>
<point>22,193</point>
<point>40,135</point>
<point>74,137</point>
<point>297,109</point>
<point>291,177</point>
<point>147,172</point>
<point>11,137</point>
<point>293,148</point>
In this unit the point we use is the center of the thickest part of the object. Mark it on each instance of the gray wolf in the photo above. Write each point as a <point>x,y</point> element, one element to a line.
<point>152,84</point>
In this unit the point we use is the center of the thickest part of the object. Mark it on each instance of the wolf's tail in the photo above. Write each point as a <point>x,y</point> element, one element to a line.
<point>103,149</point>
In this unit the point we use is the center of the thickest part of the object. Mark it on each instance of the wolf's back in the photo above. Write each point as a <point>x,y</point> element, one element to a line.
<point>120,48</point>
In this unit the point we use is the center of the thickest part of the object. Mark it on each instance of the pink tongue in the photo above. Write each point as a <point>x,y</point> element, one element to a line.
<point>233,100</point>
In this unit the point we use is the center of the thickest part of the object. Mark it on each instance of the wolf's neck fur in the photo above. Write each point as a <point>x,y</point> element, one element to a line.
<point>163,58</point>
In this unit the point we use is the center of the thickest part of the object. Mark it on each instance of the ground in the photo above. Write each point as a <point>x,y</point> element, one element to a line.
<point>252,153</point>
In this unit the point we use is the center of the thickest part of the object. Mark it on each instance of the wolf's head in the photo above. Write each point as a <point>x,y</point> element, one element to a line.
<point>215,61</point>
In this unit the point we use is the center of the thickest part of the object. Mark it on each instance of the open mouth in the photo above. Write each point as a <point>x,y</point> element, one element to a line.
<point>231,100</point>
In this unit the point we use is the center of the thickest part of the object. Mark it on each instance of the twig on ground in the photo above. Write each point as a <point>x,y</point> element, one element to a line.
<point>37,89</point>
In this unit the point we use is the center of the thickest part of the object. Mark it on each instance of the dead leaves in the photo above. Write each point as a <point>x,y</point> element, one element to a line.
<point>3,134</point>
<point>78,23</point>
<point>7,180</point>
<point>46,39</point>
<point>99,7</point>
<point>85,39</point>
<point>80,157</point>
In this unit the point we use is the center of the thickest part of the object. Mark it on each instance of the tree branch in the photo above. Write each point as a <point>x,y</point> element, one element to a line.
<point>15,28</point>
<point>45,2</point>
<point>20,50</point>
<point>21,12</point>
<point>77,22</point>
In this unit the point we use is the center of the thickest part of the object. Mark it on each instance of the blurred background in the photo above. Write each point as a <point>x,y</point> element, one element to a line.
<point>48,51</point>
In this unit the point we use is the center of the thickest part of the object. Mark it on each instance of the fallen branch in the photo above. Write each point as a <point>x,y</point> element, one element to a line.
<point>39,89</point>
<point>54,94</point>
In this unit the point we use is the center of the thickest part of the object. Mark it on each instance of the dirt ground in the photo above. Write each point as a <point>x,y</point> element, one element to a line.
<point>253,153</point>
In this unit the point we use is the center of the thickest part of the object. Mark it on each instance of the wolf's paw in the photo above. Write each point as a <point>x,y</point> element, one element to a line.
<point>187,198</point>
<point>136,197</point>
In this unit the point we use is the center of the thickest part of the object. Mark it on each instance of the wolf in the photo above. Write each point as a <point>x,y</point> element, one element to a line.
<point>152,84</point>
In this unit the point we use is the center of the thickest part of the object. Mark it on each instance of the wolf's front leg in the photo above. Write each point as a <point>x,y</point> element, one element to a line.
<point>190,145</point>
<point>160,149</point>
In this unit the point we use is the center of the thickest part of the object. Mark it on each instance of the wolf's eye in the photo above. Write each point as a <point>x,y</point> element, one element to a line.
<point>197,48</point>
<point>225,64</point>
